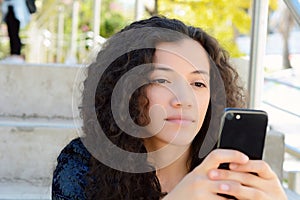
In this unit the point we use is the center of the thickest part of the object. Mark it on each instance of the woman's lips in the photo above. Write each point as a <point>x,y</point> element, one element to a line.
<point>179,120</point>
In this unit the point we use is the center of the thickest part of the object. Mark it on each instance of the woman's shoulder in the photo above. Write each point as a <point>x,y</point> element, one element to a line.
<point>75,149</point>
<point>69,177</point>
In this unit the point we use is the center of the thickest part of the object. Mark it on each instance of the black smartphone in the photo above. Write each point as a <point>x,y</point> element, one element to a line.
<point>243,130</point>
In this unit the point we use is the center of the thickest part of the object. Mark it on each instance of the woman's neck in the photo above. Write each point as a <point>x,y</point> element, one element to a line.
<point>171,163</point>
<point>171,175</point>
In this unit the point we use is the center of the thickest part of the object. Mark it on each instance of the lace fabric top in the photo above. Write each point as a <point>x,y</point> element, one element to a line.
<point>69,177</point>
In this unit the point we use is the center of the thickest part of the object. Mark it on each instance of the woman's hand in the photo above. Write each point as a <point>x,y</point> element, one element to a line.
<point>206,180</point>
<point>264,185</point>
<point>198,185</point>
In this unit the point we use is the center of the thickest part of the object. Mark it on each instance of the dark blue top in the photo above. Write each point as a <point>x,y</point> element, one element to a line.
<point>69,177</point>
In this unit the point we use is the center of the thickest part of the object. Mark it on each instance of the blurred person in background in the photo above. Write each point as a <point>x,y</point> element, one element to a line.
<point>16,15</point>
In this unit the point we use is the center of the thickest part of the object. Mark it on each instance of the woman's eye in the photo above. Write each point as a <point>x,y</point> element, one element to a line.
<point>160,81</point>
<point>199,84</point>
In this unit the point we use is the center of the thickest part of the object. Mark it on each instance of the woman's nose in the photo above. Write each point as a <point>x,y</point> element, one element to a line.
<point>183,99</point>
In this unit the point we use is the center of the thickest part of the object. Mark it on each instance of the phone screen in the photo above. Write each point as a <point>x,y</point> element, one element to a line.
<point>244,130</point>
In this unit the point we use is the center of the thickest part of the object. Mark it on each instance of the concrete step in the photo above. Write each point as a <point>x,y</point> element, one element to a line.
<point>42,90</point>
<point>23,190</point>
<point>36,122</point>
<point>28,152</point>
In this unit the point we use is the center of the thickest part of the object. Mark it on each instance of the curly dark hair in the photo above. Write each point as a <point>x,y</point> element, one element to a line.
<point>131,47</point>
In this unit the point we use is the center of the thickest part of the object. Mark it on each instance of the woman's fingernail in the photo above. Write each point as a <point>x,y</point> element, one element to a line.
<point>245,158</point>
<point>214,174</point>
<point>224,187</point>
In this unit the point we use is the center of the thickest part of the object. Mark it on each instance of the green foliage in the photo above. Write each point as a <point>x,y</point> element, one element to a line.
<point>112,24</point>
<point>47,19</point>
<point>273,5</point>
<point>4,47</point>
<point>223,19</point>
<point>111,20</point>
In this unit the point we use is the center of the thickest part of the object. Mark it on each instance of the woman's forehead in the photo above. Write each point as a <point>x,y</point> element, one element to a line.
<point>185,52</point>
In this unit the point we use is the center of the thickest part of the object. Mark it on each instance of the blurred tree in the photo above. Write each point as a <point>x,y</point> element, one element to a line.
<point>224,19</point>
<point>273,5</point>
<point>111,19</point>
<point>285,26</point>
<point>283,21</point>
<point>47,19</point>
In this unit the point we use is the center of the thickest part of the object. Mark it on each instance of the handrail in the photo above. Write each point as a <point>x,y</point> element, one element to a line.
<point>278,108</point>
<point>285,84</point>
<point>292,150</point>
<point>288,148</point>
<point>294,7</point>
<point>281,82</point>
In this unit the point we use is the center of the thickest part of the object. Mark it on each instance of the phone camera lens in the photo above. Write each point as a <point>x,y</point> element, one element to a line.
<point>229,116</point>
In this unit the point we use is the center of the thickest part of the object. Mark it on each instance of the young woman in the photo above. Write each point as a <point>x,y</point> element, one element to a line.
<point>151,107</point>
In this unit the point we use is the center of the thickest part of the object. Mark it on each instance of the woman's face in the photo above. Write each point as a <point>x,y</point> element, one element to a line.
<point>179,94</point>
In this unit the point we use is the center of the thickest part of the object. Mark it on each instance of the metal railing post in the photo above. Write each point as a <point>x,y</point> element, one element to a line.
<point>257,53</point>
<point>72,59</point>
<point>97,20</point>
<point>60,33</point>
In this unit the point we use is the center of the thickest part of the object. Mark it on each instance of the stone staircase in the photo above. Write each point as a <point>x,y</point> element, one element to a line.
<point>36,122</point>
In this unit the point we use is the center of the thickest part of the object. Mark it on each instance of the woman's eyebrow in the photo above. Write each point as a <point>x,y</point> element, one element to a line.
<point>198,71</point>
<point>202,72</point>
<point>163,69</point>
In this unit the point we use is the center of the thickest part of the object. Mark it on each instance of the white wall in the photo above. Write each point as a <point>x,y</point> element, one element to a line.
<point>37,90</point>
<point>36,119</point>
